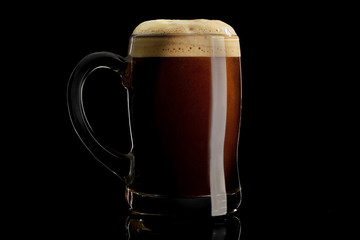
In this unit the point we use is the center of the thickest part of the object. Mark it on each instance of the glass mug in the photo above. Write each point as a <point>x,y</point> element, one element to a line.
<point>183,82</point>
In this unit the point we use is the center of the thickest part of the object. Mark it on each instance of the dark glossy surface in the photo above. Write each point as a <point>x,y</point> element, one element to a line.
<point>143,227</point>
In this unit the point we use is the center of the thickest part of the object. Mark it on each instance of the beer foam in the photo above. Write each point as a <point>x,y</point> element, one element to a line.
<point>181,38</point>
<point>197,26</point>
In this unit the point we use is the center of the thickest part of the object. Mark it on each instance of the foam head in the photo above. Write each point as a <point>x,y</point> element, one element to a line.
<point>179,38</point>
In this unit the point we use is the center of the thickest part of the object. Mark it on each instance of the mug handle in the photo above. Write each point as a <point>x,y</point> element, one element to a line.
<point>120,164</point>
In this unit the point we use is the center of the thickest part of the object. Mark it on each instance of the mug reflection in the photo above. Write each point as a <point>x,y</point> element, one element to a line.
<point>159,227</point>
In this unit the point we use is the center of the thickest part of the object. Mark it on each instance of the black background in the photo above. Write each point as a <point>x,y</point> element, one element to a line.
<point>291,185</point>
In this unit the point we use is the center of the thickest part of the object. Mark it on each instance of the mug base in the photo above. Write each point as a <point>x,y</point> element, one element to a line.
<point>151,204</point>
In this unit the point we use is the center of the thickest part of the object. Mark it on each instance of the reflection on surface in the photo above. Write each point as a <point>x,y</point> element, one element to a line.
<point>160,227</point>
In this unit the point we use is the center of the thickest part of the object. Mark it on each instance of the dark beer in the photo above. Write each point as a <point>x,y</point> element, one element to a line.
<point>185,103</point>
<point>183,80</point>
<point>171,102</point>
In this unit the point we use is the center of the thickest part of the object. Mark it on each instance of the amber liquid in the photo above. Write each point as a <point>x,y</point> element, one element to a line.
<point>170,114</point>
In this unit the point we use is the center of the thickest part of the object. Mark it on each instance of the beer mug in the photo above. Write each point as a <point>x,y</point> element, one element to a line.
<point>183,83</point>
